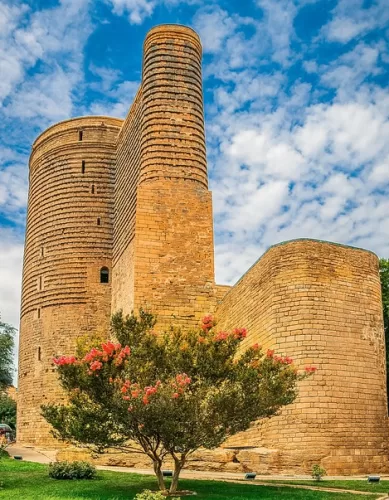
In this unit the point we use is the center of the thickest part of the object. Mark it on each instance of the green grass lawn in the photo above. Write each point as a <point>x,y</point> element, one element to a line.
<point>354,484</point>
<point>28,481</point>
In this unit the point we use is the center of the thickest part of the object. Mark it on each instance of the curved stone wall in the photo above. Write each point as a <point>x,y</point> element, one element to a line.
<point>172,139</point>
<point>68,241</point>
<point>319,303</point>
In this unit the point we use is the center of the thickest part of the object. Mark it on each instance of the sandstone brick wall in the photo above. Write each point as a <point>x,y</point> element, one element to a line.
<point>174,252</point>
<point>320,303</point>
<point>65,248</point>
<point>126,183</point>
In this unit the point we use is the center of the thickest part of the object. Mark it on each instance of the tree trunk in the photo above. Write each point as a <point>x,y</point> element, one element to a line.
<point>158,472</point>
<point>178,466</point>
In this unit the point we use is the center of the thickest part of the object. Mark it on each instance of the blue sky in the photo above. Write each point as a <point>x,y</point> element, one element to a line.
<point>296,106</point>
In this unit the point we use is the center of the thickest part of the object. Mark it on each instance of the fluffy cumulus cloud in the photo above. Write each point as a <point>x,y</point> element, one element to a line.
<point>138,10</point>
<point>296,101</point>
<point>351,19</point>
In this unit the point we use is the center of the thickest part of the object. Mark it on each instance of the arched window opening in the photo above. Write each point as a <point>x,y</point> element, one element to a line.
<point>104,275</point>
<point>80,134</point>
<point>39,354</point>
<point>83,167</point>
<point>93,189</point>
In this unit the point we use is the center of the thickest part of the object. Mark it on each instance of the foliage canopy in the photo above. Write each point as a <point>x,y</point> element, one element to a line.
<point>7,333</point>
<point>7,411</point>
<point>170,394</point>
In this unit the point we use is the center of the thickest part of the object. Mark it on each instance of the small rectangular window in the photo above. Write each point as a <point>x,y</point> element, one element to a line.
<point>80,134</point>
<point>93,189</point>
<point>98,221</point>
<point>83,167</point>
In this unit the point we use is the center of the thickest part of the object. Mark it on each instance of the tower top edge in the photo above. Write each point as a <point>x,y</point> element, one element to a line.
<point>178,28</point>
<point>77,122</point>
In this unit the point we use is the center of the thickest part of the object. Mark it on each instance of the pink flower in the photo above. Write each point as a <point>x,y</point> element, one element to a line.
<point>270,353</point>
<point>65,360</point>
<point>175,395</point>
<point>145,400</point>
<point>207,322</point>
<point>310,369</point>
<point>240,333</point>
<point>108,348</point>
<point>92,354</point>
<point>135,393</point>
<point>220,336</point>
<point>201,340</point>
<point>96,365</point>
<point>183,379</point>
<point>256,347</point>
<point>126,398</point>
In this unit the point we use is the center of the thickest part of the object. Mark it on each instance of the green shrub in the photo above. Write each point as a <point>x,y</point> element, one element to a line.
<point>318,472</point>
<point>72,470</point>
<point>151,495</point>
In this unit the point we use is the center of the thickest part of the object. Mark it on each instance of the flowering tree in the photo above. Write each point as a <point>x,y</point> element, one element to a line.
<point>170,394</point>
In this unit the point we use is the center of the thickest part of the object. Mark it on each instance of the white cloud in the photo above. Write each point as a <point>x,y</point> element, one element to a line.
<point>279,17</point>
<point>11,254</point>
<point>117,101</point>
<point>343,29</point>
<point>138,10</point>
<point>351,19</point>
<point>214,26</point>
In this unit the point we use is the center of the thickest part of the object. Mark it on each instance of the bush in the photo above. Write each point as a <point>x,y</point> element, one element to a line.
<point>318,472</point>
<point>72,470</point>
<point>151,495</point>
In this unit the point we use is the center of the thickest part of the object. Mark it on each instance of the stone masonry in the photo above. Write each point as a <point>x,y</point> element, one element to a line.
<point>120,217</point>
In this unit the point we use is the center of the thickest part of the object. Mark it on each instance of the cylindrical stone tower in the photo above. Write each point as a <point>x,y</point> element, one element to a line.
<point>174,269</point>
<point>67,262</point>
<point>173,139</point>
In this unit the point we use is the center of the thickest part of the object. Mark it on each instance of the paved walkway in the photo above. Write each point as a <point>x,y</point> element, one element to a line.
<point>42,456</point>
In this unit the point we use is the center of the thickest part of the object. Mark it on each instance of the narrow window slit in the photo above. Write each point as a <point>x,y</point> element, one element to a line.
<point>98,221</point>
<point>80,134</point>
<point>38,313</point>
<point>83,167</point>
<point>104,275</point>
<point>39,354</point>
<point>93,189</point>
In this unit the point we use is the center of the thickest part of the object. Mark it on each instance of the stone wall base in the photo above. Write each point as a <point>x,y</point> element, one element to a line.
<point>259,460</point>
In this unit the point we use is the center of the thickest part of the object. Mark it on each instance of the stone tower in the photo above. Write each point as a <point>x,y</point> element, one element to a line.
<point>120,217</point>
<point>68,243</point>
<point>163,259</point>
